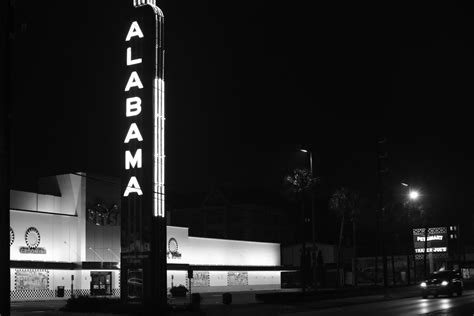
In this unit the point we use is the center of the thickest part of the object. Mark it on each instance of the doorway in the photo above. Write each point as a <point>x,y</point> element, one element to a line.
<point>101,283</point>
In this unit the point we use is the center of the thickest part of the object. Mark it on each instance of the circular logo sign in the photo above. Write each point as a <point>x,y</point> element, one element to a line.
<point>173,245</point>
<point>12,236</point>
<point>32,237</point>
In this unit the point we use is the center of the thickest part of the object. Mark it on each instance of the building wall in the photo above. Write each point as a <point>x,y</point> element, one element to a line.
<point>225,281</point>
<point>35,202</point>
<point>102,234</point>
<point>33,284</point>
<point>102,243</point>
<point>66,236</point>
<point>208,251</point>
<point>58,236</point>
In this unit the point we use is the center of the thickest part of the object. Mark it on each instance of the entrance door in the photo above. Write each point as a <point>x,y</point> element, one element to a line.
<point>101,283</point>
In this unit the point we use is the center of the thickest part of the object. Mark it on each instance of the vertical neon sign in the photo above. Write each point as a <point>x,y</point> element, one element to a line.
<point>143,225</point>
<point>133,108</point>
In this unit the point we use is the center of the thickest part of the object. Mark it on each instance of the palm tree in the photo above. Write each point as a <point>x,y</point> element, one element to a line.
<point>345,202</point>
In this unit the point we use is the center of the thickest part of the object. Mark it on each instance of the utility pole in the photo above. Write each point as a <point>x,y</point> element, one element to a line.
<point>381,170</point>
<point>6,36</point>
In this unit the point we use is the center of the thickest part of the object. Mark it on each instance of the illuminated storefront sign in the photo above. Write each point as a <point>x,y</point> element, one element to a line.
<point>143,226</point>
<point>436,242</point>
<point>428,250</point>
<point>32,240</point>
<point>430,238</point>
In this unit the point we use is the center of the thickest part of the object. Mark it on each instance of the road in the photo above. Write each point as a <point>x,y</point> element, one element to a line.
<point>243,304</point>
<point>408,306</point>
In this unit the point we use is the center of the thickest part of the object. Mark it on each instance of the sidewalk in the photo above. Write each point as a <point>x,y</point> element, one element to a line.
<point>245,303</point>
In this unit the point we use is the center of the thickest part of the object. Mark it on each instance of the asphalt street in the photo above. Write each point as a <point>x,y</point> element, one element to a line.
<point>408,306</point>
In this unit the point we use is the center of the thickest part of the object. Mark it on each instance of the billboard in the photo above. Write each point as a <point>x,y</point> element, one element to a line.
<point>436,245</point>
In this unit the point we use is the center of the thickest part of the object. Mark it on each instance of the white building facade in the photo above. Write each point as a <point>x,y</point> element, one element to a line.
<point>67,240</point>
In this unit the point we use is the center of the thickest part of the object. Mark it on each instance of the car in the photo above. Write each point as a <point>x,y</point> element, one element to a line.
<point>446,282</point>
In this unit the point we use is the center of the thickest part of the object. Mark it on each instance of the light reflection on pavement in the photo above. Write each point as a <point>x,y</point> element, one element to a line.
<point>409,306</point>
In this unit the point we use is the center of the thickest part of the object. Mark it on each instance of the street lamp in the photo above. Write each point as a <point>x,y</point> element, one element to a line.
<point>414,195</point>
<point>313,224</point>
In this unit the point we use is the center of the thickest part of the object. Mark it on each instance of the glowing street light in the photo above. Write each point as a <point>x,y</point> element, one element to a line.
<point>414,195</point>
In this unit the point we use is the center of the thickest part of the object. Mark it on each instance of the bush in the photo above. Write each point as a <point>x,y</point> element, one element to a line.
<point>179,290</point>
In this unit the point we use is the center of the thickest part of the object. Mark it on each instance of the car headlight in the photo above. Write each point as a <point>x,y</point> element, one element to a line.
<point>444,283</point>
<point>423,284</point>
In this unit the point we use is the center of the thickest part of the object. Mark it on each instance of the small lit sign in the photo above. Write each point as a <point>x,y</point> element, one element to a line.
<point>32,240</point>
<point>430,238</point>
<point>428,250</point>
<point>436,242</point>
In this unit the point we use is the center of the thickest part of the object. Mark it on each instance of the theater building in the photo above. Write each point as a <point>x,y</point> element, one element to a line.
<point>65,238</point>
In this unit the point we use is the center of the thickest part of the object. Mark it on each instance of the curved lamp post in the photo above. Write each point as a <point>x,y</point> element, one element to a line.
<point>313,216</point>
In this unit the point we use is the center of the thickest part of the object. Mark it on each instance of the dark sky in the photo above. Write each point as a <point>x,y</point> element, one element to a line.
<point>249,82</point>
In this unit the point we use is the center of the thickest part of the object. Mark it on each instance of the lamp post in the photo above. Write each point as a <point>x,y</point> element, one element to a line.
<point>414,195</point>
<point>313,216</point>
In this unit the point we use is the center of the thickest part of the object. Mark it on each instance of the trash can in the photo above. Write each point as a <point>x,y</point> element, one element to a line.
<point>60,291</point>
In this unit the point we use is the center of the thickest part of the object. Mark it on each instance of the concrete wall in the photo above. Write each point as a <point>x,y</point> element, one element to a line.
<point>218,281</point>
<point>35,202</point>
<point>58,236</point>
<point>55,278</point>
<point>102,243</point>
<point>209,251</point>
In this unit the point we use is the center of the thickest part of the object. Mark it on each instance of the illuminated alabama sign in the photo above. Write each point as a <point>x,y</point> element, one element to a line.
<point>133,109</point>
<point>143,226</point>
<point>134,112</point>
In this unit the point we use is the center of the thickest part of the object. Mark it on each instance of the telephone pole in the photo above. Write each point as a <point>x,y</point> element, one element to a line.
<point>381,171</point>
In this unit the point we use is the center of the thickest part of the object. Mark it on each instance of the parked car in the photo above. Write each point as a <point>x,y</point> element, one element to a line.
<point>445,282</point>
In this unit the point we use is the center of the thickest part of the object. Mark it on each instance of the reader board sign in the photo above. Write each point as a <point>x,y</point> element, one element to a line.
<point>437,242</point>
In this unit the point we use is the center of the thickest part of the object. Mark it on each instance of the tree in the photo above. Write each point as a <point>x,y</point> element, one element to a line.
<point>296,186</point>
<point>345,203</point>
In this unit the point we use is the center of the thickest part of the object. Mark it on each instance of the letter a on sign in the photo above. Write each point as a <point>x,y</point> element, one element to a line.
<point>133,187</point>
<point>134,31</point>
<point>133,133</point>
<point>134,81</point>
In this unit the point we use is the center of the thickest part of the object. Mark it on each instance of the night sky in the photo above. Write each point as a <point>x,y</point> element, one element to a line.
<point>250,82</point>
